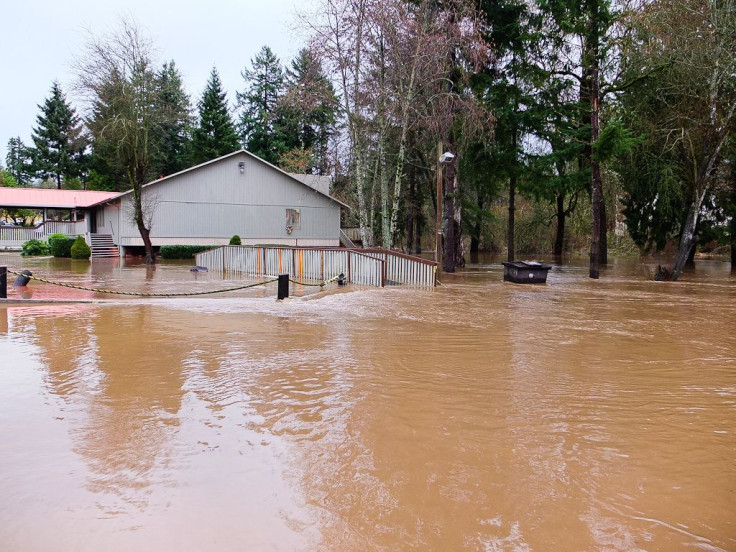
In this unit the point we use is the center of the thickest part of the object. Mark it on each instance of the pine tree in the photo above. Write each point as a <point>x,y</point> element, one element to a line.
<point>58,140</point>
<point>173,153</point>
<point>18,160</point>
<point>264,83</point>
<point>215,134</point>
<point>306,112</point>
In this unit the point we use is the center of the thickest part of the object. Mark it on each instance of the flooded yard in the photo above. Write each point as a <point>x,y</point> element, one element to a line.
<point>578,415</point>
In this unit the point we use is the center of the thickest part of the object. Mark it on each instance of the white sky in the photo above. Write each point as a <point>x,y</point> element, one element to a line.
<point>41,38</point>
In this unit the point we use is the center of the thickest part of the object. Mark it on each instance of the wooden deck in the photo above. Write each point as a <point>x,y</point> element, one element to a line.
<point>369,267</point>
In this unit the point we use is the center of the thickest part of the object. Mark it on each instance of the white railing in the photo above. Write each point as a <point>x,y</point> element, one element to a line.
<point>371,268</point>
<point>405,269</point>
<point>15,236</point>
<point>69,228</point>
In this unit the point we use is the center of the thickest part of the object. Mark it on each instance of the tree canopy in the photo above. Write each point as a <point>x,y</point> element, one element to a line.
<point>214,135</point>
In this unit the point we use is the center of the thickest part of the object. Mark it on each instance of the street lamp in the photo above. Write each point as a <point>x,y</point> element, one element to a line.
<point>446,157</point>
<point>443,158</point>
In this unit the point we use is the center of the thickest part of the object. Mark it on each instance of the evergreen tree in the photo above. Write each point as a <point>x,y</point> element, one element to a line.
<point>505,89</point>
<point>264,83</point>
<point>173,154</point>
<point>18,160</point>
<point>590,24</point>
<point>215,134</point>
<point>58,140</point>
<point>306,112</point>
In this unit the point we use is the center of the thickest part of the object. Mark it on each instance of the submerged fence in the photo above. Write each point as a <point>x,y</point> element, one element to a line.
<point>365,267</point>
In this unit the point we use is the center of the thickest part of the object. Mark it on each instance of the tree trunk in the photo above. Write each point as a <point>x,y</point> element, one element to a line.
<point>595,247</point>
<point>732,225</point>
<point>511,245</point>
<point>560,234</point>
<point>476,231</point>
<point>418,234</point>
<point>691,257</point>
<point>474,240</point>
<point>410,215</point>
<point>687,240</point>
<point>595,168</point>
<point>366,231</point>
<point>141,213</point>
<point>604,231</point>
<point>146,235</point>
<point>733,238</point>
<point>405,115</point>
<point>590,86</point>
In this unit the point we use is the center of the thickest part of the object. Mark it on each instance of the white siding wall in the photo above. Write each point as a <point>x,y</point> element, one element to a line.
<point>108,220</point>
<point>217,201</point>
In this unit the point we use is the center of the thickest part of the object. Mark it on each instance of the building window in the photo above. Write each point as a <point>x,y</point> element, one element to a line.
<point>292,220</point>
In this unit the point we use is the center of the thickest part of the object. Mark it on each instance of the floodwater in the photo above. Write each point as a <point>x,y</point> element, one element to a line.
<point>576,416</point>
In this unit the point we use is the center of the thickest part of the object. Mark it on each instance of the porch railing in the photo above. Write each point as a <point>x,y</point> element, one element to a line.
<point>14,236</point>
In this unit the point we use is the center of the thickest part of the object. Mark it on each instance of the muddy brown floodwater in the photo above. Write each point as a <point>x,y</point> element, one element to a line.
<point>577,416</point>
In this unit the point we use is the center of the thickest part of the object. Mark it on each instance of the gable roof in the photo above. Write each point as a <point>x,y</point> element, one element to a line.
<point>319,182</point>
<point>31,198</point>
<point>237,152</point>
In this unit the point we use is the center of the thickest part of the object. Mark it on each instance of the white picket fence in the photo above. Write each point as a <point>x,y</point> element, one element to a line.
<point>364,267</point>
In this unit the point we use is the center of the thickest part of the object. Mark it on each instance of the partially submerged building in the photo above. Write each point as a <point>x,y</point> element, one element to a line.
<point>238,193</point>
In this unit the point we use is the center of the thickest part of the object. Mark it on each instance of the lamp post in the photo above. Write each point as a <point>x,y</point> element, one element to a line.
<point>443,158</point>
<point>438,227</point>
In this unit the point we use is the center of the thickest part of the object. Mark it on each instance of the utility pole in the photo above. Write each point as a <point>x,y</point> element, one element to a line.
<point>438,227</point>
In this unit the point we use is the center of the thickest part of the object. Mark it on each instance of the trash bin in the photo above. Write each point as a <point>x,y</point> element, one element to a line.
<point>522,272</point>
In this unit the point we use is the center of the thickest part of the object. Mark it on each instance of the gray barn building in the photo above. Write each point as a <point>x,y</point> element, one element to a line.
<point>238,193</point>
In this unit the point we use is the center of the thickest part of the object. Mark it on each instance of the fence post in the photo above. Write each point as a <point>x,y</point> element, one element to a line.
<point>3,282</point>
<point>283,291</point>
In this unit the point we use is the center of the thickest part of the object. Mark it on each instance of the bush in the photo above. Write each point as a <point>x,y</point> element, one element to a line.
<point>182,251</point>
<point>60,245</point>
<point>235,240</point>
<point>80,249</point>
<point>34,248</point>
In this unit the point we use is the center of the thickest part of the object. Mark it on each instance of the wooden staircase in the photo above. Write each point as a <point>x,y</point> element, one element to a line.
<point>103,247</point>
<point>350,238</point>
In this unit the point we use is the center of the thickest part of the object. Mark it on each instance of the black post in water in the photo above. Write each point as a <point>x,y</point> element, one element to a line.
<point>23,279</point>
<point>283,286</point>
<point>3,282</point>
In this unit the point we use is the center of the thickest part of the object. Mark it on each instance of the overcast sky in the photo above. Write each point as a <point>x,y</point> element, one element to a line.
<point>41,39</point>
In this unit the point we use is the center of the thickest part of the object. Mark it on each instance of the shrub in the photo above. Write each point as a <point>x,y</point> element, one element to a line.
<point>182,251</point>
<point>235,240</point>
<point>80,249</point>
<point>60,245</point>
<point>34,248</point>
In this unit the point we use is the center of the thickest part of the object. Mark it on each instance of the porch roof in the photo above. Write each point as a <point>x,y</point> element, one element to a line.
<point>38,198</point>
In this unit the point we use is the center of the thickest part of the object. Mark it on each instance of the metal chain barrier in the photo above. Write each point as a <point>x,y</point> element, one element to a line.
<point>137,294</point>
<point>322,284</point>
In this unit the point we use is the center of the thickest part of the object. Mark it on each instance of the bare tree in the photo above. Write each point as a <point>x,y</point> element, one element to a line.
<point>117,76</point>
<point>399,69</point>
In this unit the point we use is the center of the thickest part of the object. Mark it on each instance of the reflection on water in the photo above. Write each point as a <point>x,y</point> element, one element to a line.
<point>579,415</point>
